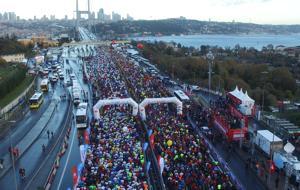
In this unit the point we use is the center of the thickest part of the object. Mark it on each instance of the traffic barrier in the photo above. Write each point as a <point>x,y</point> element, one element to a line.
<point>56,164</point>
<point>48,186</point>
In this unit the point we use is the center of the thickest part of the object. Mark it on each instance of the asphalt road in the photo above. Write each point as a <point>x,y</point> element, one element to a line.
<point>36,162</point>
<point>21,128</point>
<point>64,179</point>
<point>33,156</point>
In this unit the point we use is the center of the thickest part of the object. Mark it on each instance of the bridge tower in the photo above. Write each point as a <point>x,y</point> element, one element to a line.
<point>82,12</point>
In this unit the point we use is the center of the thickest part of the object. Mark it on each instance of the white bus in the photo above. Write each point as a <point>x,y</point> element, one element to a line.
<point>76,98</point>
<point>76,91</point>
<point>181,96</point>
<point>44,85</point>
<point>81,116</point>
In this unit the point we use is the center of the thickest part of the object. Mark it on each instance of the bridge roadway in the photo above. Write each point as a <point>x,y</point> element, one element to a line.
<point>29,138</point>
<point>36,163</point>
<point>64,179</point>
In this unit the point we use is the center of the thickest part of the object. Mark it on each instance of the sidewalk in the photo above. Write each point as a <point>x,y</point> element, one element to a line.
<point>262,173</point>
<point>29,138</point>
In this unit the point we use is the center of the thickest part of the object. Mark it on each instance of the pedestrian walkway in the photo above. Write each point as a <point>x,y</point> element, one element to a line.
<point>262,172</point>
<point>30,137</point>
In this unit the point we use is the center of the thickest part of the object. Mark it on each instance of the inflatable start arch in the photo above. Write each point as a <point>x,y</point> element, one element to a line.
<point>147,101</point>
<point>101,103</point>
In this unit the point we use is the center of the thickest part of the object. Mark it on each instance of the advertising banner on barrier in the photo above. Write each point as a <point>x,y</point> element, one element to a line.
<point>161,163</point>
<point>83,149</point>
<point>75,176</point>
<point>148,166</point>
<point>152,141</point>
<point>149,132</point>
<point>145,146</point>
<point>86,137</point>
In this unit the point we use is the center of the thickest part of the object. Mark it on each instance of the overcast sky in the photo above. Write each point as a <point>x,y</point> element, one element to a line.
<point>255,11</point>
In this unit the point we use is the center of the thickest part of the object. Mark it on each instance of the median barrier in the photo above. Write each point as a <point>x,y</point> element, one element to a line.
<point>59,155</point>
<point>153,159</point>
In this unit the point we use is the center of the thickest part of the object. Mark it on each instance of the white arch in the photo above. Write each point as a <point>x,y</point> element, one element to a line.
<point>147,101</point>
<point>101,103</point>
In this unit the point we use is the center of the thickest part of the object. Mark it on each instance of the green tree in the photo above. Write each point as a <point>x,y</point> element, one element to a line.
<point>283,79</point>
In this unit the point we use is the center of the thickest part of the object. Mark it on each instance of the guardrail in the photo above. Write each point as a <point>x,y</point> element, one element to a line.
<point>217,93</point>
<point>63,149</point>
<point>159,185</point>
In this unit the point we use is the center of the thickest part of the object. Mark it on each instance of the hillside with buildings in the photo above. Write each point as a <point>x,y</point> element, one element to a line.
<point>124,28</point>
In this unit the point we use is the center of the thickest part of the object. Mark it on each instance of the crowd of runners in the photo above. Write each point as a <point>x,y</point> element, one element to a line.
<point>115,158</point>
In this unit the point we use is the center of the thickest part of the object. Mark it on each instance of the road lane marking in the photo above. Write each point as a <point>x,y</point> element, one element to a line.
<point>49,153</point>
<point>68,158</point>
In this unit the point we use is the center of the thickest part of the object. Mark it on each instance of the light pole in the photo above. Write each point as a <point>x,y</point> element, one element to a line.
<point>12,155</point>
<point>253,139</point>
<point>210,58</point>
<point>263,100</point>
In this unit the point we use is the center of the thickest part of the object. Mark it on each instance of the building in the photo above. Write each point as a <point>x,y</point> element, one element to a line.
<point>66,17</point>
<point>12,16</point>
<point>64,37</point>
<point>25,41</point>
<point>5,16</point>
<point>101,15</point>
<point>115,17</point>
<point>44,18</point>
<point>107,18</point>
<point>43,41</point>
<point>93,16</point>
<point>19,58</point>
<point>130,18</point>
<point>52,17</point>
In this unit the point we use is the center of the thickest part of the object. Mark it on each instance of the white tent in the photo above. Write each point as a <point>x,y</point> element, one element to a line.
<point>244,97</point>
<point>248,99</point>
<point>247,103</point>
<point>235,92</point>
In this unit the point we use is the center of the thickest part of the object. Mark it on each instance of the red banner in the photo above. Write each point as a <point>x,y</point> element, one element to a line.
<point>152,141</point>
<point>74,174</point>
<point>86,137</point>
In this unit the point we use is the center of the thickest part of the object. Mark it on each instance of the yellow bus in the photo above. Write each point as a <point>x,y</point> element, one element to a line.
<point>44,85</point>
<point>36,100</point>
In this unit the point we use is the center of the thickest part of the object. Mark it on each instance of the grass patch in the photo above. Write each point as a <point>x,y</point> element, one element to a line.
<point>16,92</point>
<point>6,68</point>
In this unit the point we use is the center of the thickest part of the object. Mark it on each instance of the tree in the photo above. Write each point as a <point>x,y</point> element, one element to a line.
<point>282,79</point>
